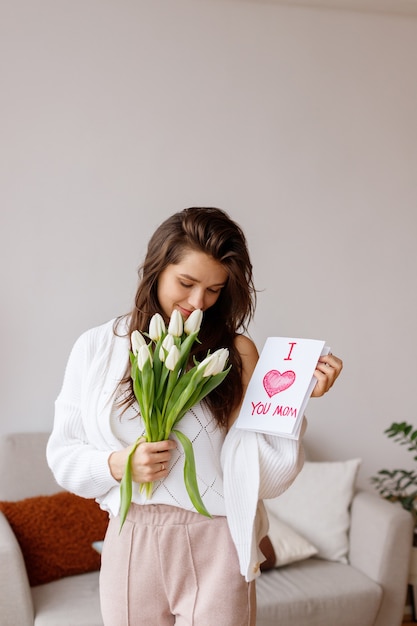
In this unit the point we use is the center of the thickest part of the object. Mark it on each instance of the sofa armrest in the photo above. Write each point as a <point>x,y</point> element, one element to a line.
<point>15,594</point>
<point>381,536</point>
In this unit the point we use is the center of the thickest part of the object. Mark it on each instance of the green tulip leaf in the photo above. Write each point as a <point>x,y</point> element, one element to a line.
<point>190,475</point>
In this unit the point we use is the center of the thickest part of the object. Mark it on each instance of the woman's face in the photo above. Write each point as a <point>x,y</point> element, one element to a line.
<point>193,283</point>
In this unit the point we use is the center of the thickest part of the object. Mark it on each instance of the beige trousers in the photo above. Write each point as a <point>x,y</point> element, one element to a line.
<point>171,566</point>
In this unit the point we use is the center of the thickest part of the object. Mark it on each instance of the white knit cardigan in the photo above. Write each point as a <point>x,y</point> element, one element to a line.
<point>255,466</point>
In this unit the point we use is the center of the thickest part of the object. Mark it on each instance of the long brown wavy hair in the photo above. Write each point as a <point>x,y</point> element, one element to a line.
<point>208,230</point>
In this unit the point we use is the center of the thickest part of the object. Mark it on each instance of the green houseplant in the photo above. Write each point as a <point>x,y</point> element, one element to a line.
<point>399,485</point>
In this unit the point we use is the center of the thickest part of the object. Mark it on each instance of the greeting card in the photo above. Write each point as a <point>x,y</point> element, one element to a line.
<point>281,386</point>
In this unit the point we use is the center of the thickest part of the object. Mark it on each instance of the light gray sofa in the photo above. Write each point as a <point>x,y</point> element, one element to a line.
<point>369,591</point>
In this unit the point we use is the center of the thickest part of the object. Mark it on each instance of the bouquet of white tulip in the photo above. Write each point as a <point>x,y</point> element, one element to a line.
<point>166,389</point>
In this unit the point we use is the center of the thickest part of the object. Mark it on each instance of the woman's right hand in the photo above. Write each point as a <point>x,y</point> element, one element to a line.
<point>149,462</point>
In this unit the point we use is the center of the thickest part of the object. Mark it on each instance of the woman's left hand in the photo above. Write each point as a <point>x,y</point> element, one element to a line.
<point>327,370</point>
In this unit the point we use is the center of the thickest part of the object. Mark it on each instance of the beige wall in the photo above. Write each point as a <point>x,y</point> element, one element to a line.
<point>300,122</point>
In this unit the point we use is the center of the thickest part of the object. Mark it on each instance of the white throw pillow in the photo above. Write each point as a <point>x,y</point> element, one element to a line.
<point>288,545</point>
<point>317,506</point>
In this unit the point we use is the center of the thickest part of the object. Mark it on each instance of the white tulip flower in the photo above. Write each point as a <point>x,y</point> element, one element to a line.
<point>143,356</point>
<point>176,324</point>
<point>166,346</point>
<point>137,341</point>
<point>156,327</point>
<point>214,363</point>
<point>193,323</point>
<point>172,358</point>
<point>208,365</point>
<point>223,355</point>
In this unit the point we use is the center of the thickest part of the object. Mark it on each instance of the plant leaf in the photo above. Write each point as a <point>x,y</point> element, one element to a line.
<point>126,488</point>
<point>190,476</point>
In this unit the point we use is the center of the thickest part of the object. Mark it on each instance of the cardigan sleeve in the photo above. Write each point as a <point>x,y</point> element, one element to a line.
<point>76,454</point>
<point>255,467</point>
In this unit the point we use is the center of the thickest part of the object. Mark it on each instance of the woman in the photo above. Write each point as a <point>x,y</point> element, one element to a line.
<point>169,564</point>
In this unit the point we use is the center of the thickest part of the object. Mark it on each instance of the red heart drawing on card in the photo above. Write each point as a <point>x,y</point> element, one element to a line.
<point>274,381</point>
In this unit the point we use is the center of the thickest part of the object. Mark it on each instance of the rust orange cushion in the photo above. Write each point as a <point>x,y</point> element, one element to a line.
<point>55,534</point>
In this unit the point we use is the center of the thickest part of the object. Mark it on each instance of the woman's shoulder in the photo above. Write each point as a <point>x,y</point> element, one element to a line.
<point>246,347</point>
<point>249,354</point>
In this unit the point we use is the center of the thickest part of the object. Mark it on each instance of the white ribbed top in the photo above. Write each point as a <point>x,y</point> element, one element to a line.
<point>207,439</point>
